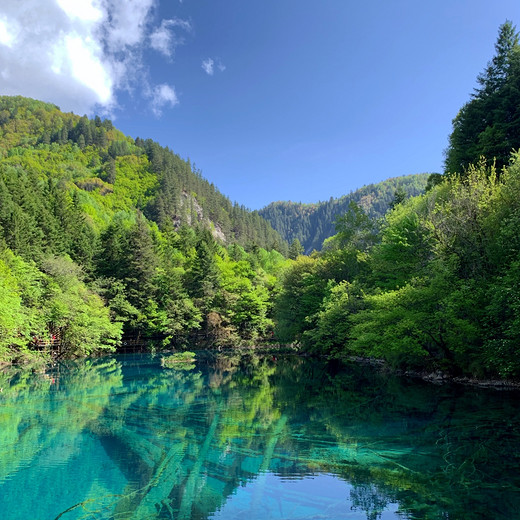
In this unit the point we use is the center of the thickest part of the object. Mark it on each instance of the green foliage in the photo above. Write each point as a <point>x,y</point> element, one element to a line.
<point>437,289</point>
<point>10,309</point>
<point>37,303</point>
<point>332,329</point>
<point>405,247</point>
<point>301,296</point>
<point>421,325</point>
<point>74,313</point>
<point>179,360</point>
<point>244,301</point>
<point>355,229</point>
<point>103,235</point>
<point>295,249</point>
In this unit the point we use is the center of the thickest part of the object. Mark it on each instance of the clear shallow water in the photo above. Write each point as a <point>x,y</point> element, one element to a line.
<point>252,438</point>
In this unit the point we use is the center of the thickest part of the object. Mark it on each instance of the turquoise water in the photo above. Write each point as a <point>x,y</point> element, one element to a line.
<point>252,438</point>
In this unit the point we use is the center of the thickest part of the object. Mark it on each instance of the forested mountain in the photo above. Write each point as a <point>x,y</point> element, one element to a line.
<point>101,235</point>
<point>311,224</point>
<point>113,172</point>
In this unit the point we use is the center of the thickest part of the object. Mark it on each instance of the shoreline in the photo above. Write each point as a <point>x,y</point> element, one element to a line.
<point>437,377</point>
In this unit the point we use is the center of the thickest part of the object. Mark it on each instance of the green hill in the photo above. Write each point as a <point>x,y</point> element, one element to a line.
<point>103,237</point>
<point>110,172</point>
<point>311,224</point>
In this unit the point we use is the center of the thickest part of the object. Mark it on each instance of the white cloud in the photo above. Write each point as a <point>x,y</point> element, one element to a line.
<point>86,68</point>
<point>163,96</point>
<point>126,22</point>
<point>81,9</point>
<point>7,35</point>
<point>207,65</point>
<point>183,24</point>
<point>164,39</point>
<point>78,53</point>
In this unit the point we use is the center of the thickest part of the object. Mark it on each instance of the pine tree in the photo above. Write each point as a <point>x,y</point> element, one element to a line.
<point>498,69</point>
<point>141,263</point>
<point>489,124</point>
<point>295,249</point>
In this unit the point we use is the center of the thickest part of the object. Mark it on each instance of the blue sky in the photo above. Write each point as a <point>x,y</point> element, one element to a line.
<point>272,99</point>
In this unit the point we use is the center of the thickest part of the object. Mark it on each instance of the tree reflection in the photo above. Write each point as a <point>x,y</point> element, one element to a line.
<point>370,499</point>
<point>178,444</point>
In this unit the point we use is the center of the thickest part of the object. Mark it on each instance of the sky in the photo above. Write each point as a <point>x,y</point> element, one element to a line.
<point>270,99</point>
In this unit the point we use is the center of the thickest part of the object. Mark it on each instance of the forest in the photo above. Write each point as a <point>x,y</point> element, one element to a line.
<point>311,224</point>
<point>105,238</point>
<point>435,284</point>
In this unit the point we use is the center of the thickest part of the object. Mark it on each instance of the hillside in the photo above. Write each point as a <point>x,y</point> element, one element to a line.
<point>311,224</point>
<point>110,172</point>
<point>103,237</point>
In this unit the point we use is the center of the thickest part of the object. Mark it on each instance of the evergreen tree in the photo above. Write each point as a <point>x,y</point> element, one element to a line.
<point>399,196</point>
<point>489,124</point>
<point>203,276</point>
<point>498,70</point>
<point>140,264</point>
<point>295,249</point>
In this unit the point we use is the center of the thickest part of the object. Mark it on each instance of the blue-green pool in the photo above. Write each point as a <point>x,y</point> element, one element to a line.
<point>251,437</point>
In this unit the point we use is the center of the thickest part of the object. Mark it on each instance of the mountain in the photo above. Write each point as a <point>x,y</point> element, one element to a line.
<point>105,239</point>
<point>109,172</point>
<point>311,224</point>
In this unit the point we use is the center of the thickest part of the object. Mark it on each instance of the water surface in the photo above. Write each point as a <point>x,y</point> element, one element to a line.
<point>252,438</point>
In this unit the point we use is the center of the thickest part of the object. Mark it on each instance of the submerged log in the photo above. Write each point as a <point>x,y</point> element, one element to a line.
<point>141,450</point>
<point>188,496</point>
<point>167,475</point>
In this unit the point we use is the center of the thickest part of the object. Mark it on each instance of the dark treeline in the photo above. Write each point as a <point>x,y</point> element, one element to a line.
<point>311,224</point>
<point>101,236</point>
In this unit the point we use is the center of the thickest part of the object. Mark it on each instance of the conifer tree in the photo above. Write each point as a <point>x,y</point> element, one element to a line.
<point>141,263</point>
<point>295,249</point>
<point>489,125</point>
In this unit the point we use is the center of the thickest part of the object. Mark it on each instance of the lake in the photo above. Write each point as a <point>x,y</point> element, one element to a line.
<point>251,437</point>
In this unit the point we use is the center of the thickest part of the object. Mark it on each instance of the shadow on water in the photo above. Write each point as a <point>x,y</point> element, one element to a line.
<point>247,436</point>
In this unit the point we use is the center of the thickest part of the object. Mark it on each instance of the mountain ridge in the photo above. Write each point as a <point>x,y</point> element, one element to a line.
<point>312,223</point>
<point>116,172</point>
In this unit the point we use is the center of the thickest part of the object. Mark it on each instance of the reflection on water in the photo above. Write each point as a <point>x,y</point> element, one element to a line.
<point>320,496</point>
<point>252,437</point>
